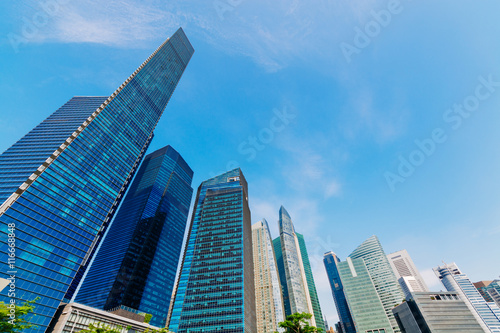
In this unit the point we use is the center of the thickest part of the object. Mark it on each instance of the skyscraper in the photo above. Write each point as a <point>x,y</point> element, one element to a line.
<point>268,296</point>
<point>137,260</point>
<point>406,272</point>
<point>331,260</point>
<point>299,299</point>
<point>487,314</point>
<point>61,183</point>
<point>383,277</point>
<point>318,314</point>
<point>282,275</point>
<point>215,291</point>
<point>490,290</point>
<point>427,312</point>
<point>363,296</point>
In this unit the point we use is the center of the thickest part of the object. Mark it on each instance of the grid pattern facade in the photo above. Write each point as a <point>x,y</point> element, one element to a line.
<point>365,305</point>
<point>62,208</point>
<point>454,280</point>
<point>403,266</point>
<point>428,312</point>
<point>383,277</point>
<point>330,260</point>
<point>268,299</point>
<point>137,260</point>
<point>318,315</point>
<point>20,161</point>
<point>215,291</point>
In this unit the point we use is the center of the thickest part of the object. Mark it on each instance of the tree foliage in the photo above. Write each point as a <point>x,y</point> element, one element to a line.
<point>16,318</point>
<point>148,317</point>
<point>298,323</point>
<point>99,328</point>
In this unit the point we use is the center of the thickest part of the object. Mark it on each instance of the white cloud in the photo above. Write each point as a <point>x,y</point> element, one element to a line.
<point>273,34</point>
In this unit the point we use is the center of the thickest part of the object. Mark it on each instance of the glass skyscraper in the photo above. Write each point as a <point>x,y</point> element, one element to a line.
<point>268,296</point>
<point>137,260</point>
<point>365,304</point>
<point>453,279</point>
<point>294,280</point>
<point>215,291</point>
<point>331,260</point>
<point>318,314</point>
<point>282,275</point>
<point>383,277</point>
<point>61,183</point>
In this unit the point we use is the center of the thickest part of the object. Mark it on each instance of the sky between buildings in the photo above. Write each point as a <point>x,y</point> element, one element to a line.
<point>360,117</point>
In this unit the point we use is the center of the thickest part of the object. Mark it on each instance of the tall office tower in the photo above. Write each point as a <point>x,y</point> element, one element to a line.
<point>427,312</point>
<point>318,314</point>
<point>406,273</point>
<point>61,183</point>
<point>282,275</point>
<point>383,277</point>
<point>268,296</point>
<point>493,291</point>
<point>299,299</point>
<point>454,280</point>
<point>331,260</point>
<point>484,286</point>
<point>137,260</point>
<point>215,291</point>
<point>364,297</point>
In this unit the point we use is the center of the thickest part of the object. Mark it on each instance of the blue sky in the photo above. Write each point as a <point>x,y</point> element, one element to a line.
<point>366,90</point>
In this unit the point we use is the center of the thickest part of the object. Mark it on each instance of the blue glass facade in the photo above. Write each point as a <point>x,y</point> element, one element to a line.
<point>330,260</point>
<point>137,260</point>
<point>59,211</point>
<point>215,291</point>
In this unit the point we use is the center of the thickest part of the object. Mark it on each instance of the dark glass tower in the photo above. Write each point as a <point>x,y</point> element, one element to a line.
<point>215,291</point>
<point>137,260</point>
<point>313,294</point>
<point>330,260</point>
<point>282,275</point>
<point>61,183</point>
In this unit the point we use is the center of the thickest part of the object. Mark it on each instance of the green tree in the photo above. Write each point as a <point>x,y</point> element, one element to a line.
<point>16,318</point>
<point>100,328</point>
<point>148,317</point>
<point>297,323</point>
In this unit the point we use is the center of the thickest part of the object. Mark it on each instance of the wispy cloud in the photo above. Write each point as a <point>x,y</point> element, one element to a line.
<point>250,28</point>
